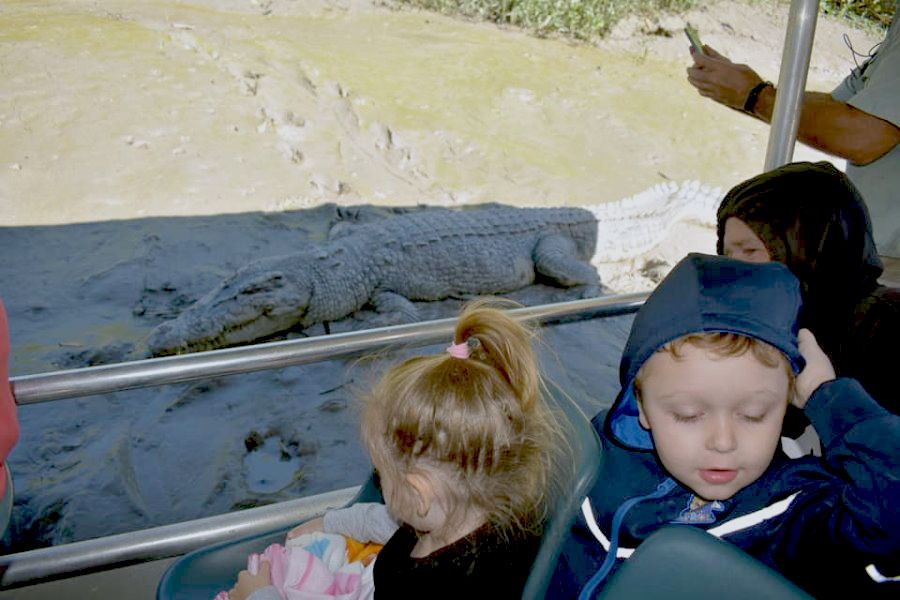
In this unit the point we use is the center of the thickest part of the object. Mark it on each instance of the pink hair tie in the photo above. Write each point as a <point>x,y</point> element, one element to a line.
<point>460,350</point>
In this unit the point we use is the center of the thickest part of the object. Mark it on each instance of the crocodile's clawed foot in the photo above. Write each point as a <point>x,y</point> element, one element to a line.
<point>393,309</point>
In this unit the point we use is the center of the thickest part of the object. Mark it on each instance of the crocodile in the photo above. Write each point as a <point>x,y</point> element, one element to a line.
<point>422,256</point>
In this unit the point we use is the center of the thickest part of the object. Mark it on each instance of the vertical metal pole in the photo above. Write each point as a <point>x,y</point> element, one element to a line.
<point>798,41</point>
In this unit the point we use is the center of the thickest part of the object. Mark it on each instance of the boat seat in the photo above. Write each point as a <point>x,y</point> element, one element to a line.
<point>207,571</point>
<point>586,450</point>
<point>680,562</point>
<point>204,572</point>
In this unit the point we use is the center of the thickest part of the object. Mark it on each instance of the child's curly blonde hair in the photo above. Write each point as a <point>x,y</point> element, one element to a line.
<point>725,345</point>
<point>482,422</point>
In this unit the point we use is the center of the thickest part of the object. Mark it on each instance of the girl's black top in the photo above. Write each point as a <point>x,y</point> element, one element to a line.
<point>480,565</point>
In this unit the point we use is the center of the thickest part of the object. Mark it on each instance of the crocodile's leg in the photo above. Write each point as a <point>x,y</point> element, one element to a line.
<point>397,308</point>
<point>555,257</point>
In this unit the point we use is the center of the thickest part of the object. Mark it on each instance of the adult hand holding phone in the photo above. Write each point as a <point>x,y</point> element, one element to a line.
<point>718,78</point>
<point>694,38</point>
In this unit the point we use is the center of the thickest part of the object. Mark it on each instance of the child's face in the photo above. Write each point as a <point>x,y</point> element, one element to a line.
<point>715,421</point>
<point>741,243</point>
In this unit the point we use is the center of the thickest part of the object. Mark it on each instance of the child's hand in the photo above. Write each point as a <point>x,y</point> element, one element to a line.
<point>311,526</point>
<point>818,368</point>
<point>248,583</point>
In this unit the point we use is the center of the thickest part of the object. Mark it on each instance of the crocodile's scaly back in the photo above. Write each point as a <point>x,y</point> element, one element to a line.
<point>427,255</point>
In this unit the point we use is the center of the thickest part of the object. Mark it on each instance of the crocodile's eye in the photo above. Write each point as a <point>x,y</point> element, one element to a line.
<point>263,284</point>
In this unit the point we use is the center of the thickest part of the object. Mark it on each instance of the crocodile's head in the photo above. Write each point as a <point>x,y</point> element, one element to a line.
<point>258,301</point>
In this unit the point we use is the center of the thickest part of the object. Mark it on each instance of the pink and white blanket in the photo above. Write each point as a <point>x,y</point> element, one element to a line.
<point>314,567</point>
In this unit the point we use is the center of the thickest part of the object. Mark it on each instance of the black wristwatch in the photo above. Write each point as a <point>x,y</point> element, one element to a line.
<point>753,96</point>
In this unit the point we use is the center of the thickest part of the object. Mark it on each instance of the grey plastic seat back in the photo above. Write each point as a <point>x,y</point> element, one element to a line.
<point>205,572</point>
<point>586,455</point>
<point>680,562</point>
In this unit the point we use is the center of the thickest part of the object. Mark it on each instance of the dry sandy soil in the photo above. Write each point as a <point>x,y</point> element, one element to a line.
<point>127,109</point>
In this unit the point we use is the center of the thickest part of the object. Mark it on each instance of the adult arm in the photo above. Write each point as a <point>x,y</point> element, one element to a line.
<point>825,123</point>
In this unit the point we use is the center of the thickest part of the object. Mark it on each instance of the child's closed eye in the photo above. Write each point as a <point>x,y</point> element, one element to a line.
<point>755,417</point>
<point>686,417</point>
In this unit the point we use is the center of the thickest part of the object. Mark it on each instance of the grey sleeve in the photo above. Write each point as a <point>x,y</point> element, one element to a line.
<point>265,593</point>
<point>365,522</point>
<point>875,87</point>
<point>848,87</point>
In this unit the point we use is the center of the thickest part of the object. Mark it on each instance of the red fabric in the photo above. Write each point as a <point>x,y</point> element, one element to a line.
<point>9,424</point>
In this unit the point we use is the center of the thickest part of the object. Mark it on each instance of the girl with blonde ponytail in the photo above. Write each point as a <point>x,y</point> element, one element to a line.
<point>464,444</point>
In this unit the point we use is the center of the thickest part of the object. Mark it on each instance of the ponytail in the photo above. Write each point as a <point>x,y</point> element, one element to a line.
<point>502,343</point>
<point>476,413</point>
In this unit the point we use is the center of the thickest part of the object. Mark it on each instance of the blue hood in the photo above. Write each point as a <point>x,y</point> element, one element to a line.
<point>706,293</point>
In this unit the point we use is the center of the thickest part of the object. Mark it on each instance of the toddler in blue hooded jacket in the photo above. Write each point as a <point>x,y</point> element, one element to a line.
<point>713,359</point>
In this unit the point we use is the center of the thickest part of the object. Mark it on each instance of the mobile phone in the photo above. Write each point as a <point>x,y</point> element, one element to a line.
<point>694,38</point>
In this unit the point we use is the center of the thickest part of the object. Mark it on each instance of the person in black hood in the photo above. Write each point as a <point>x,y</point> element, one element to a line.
<point>810,217</point>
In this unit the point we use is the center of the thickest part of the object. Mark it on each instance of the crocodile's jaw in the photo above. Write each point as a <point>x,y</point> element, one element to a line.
<point>253,304</point>
<point>169,337</point>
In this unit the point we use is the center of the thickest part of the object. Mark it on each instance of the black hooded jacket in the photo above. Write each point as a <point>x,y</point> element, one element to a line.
<point>813,219</point>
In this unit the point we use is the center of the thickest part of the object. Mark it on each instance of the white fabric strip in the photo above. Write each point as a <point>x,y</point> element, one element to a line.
<point>754,518</point>
<point>588,513</point>
<point>877,577</point>
<point>744,522</point>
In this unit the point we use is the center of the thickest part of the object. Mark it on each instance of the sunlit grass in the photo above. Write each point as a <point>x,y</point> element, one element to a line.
<point>591,19</point>
<point>581,19</point>
<point>874,11</point>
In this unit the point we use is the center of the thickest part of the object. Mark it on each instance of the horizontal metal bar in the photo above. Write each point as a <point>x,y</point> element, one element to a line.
<point>44,387</point>
<point>161,542</point>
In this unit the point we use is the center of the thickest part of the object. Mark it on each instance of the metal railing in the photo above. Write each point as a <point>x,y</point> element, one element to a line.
<point>172,540</point>
<point>44,387</point>
<point>111,551</point>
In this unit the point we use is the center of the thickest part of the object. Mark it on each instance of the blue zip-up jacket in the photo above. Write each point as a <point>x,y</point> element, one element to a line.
<point>823,522</point>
